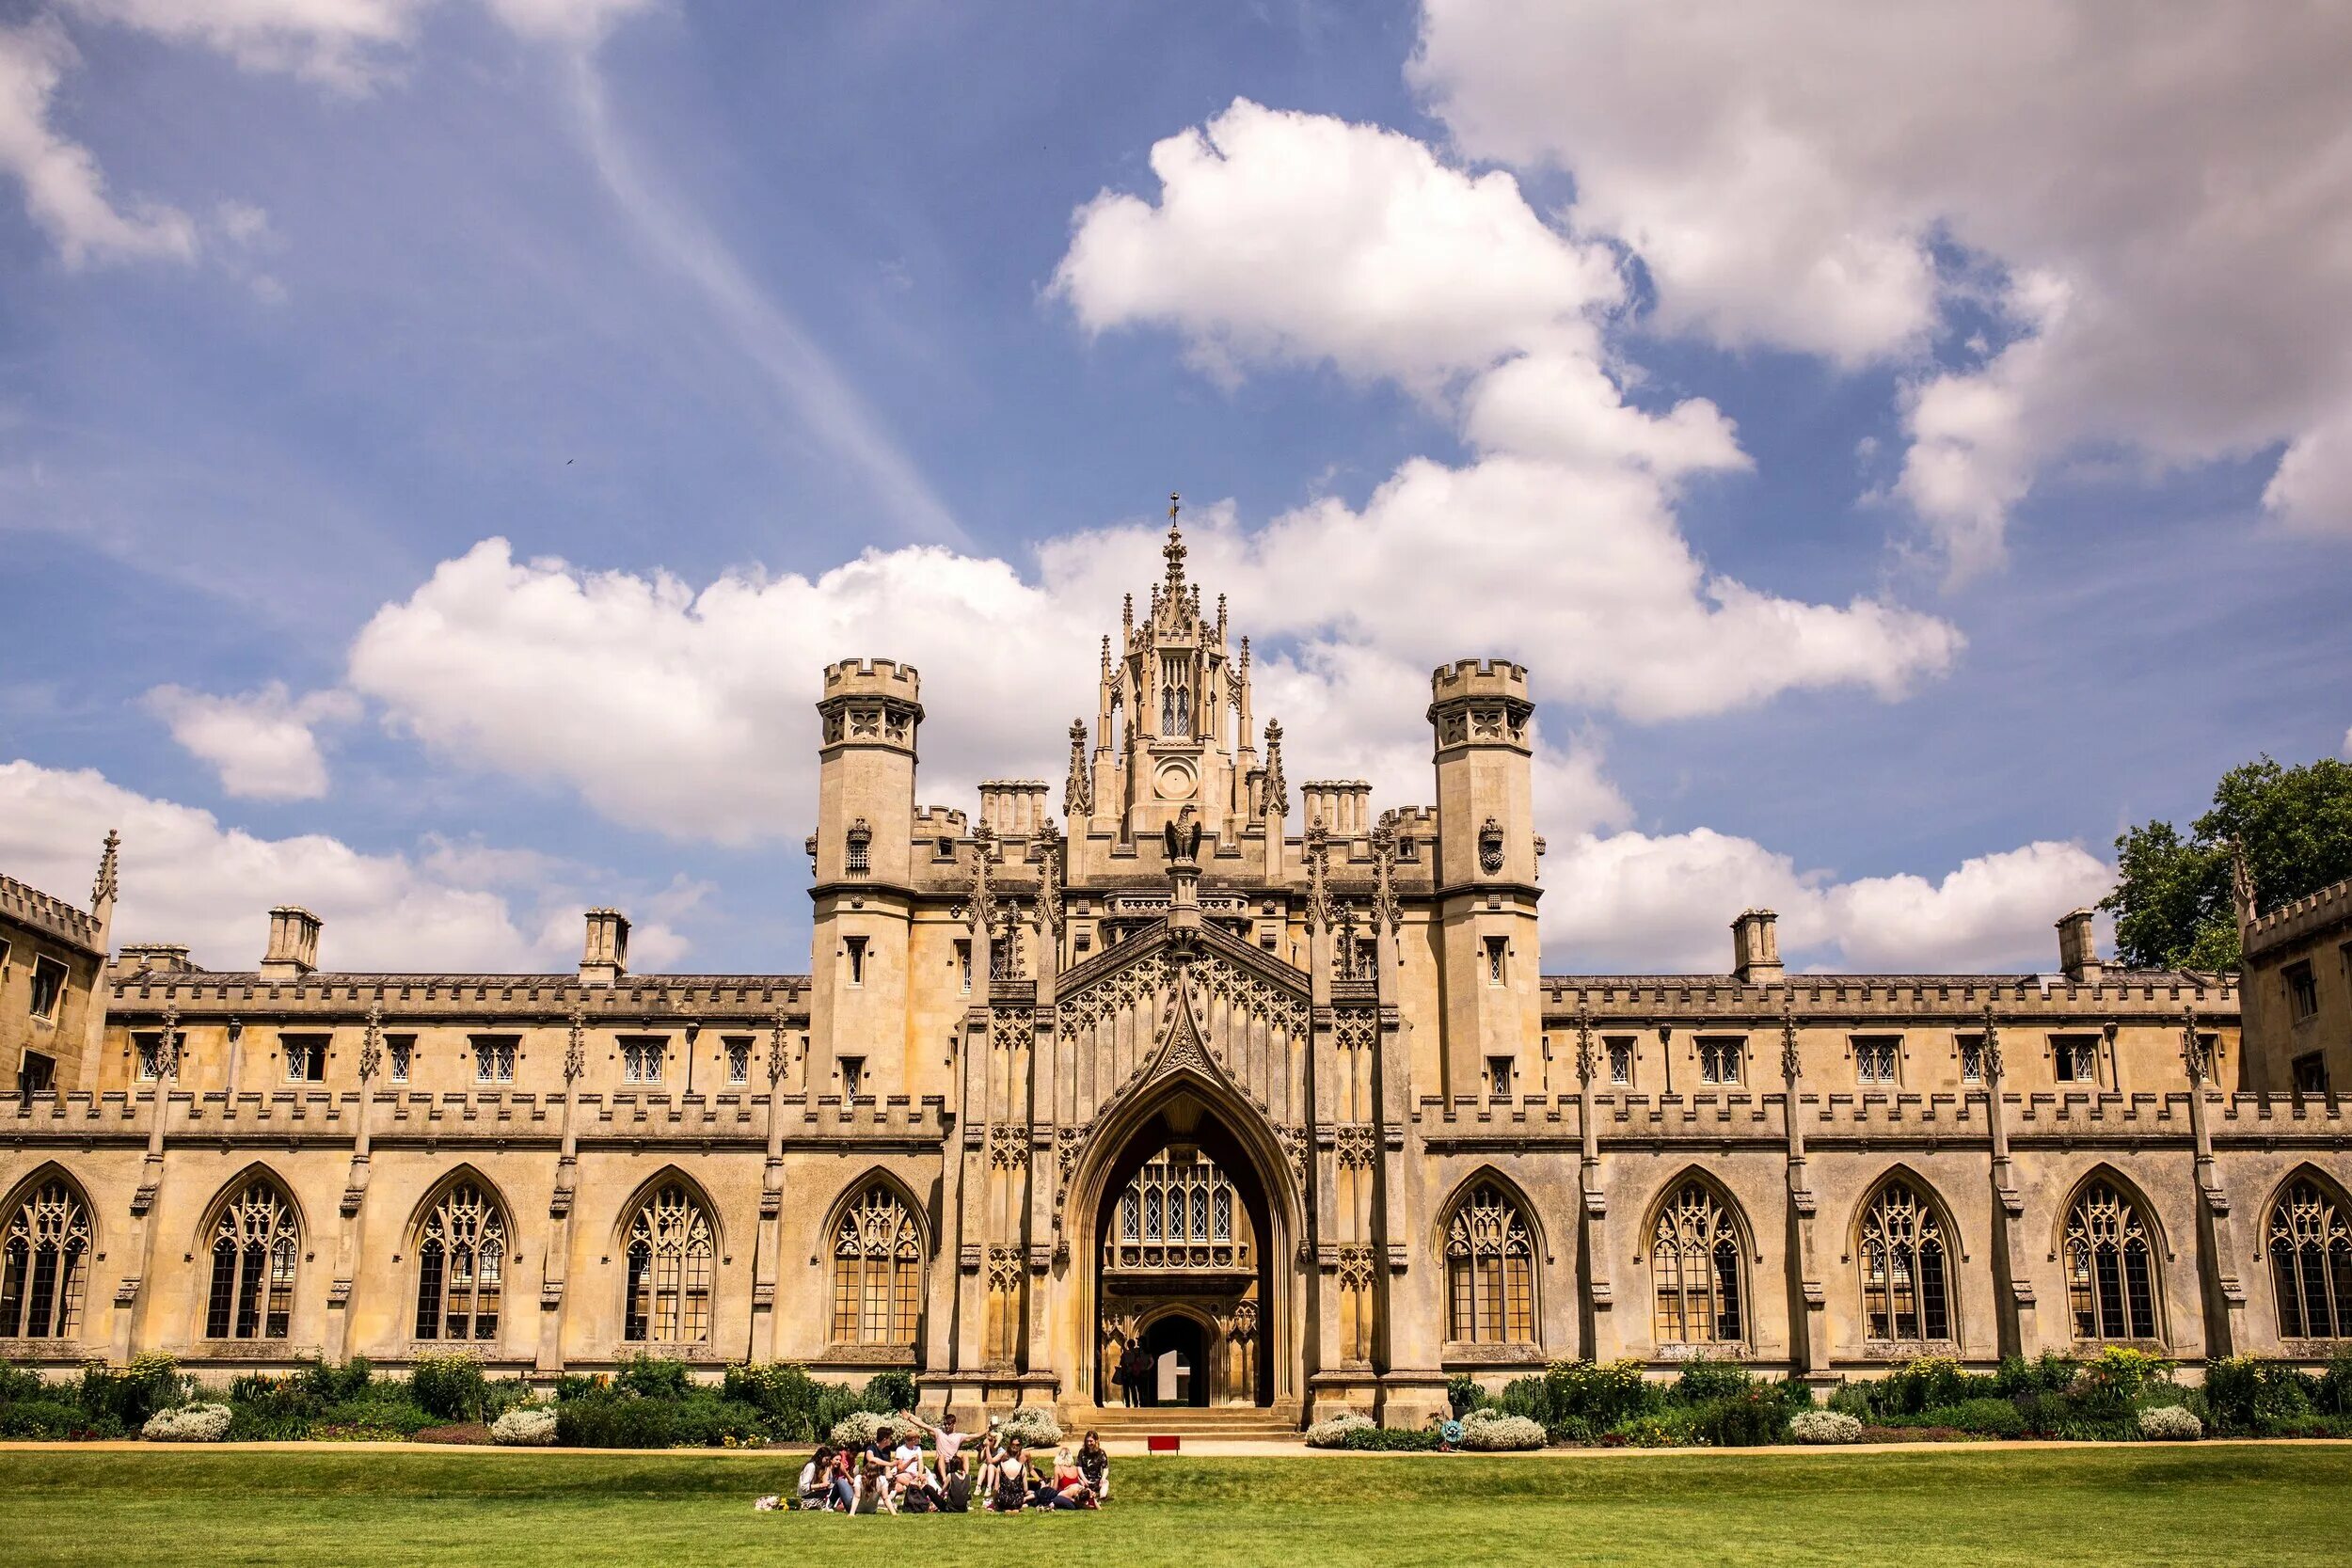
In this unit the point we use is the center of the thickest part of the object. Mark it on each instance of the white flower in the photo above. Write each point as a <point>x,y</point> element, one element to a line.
<point>1824,1426</point>
<point>1493,1432</point>
<point>188,1423</point>
<point>1329,1434</point>
<point>525,1427</point>
<point>2170,1422</point>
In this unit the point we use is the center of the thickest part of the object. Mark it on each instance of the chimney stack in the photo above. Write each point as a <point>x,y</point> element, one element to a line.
<point>1755,948</point>
<point>605,958</point>
<point>2078,950</point>
<point>294,943</point>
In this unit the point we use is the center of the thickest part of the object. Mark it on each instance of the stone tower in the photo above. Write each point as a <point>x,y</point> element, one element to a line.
<point>1486,874</point>
<point>863,890</point>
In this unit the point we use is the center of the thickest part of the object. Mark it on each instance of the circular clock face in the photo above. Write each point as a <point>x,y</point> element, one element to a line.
<point>1174,781</point>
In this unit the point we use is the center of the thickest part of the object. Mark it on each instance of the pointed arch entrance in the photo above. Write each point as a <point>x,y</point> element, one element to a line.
<point>1187,1225</point>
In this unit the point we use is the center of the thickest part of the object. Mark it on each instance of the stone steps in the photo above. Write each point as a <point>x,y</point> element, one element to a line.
<point>1183,1421</point>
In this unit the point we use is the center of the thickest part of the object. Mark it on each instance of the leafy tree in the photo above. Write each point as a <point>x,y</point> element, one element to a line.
<point>2174,906</point>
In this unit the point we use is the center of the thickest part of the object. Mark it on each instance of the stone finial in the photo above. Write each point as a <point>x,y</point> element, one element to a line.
<point>294,943</point>
<point>1756,947</point>
<point>2078,948</point>
<point>105,890</point>
<point>604,955</point>
<point>2243,893</point>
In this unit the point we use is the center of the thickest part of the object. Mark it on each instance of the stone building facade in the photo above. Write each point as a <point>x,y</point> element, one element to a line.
<point>1250,1074</point>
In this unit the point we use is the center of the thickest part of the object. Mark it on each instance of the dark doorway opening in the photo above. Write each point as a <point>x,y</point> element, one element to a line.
<point>1180,1372</point>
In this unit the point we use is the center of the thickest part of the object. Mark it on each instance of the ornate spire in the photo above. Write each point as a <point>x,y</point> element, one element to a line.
<point>1277,789</point>
<point>1047,849</point>
<point>1792,1064</point>
<point>576,1048</point>
<point>104,889</point>
<point>1106,643</point>
<point>372,1042</point>
<point>2194,1055</point>
<point>775,1050</point>
<point>1174,550</point>
<point>1992,1048</point>
<point>1318,868</point>
<point>1077,795</point>
<point>1584,1062</point>
<point>2242,890</point>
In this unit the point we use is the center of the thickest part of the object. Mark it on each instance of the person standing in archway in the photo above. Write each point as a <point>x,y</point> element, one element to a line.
<point>1138,1366</point>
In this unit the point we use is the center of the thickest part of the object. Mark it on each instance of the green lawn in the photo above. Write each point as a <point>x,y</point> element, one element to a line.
<point>2272,1504</point>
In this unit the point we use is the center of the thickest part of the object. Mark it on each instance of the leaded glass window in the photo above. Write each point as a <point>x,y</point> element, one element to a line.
<point>44,1263</point>
<point>257,1248</point>
<point>461,1267</point>
<point>1490,1272</point>
<point>877,1271</point>
<point>2111,1267</point>
<point>1696,1270</point>
<point>1906,1272</point>
<point>670,1264</point>
<point>1177,1212</point>
<point>2311,1263</point>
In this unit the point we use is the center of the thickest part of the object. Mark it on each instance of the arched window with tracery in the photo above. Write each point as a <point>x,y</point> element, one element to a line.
<point>2311,1263</point>
<point>1178,1212</point>
<point>257,1246</point>
<point>877,1271</point>
<point>44,1263</point>
<point>1906,1267</point>
<point>1696,1270</point>
<point>2111,1267</point>
<point>461,1266</point>
<point>1490,1272</point>
<point>670,1255</point>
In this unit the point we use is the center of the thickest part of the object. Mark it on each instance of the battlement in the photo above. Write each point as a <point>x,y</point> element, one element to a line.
<point>1344,807</point>
<point>53,916</point>
<point>2311,912</point>
<point>872,677</point>
<point>1014,808</point>
<point>1478,677</point>
<point>941,822</point>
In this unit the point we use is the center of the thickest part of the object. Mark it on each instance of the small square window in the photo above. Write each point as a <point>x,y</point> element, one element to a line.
<point>2074,1059</point>
<point>2311,1074</point>
<point>1621,1062</point>
<point>35,1074</point>
<point>494,1061</point>
<point>854,948</point>
<point>852,1077</point>
<point>1874,1060</point>
<point>1408,849</point>
<point>399,1050</point>
<point>640,1060</point>
<point>306,1058</point>
<point>739,1061</point>
<point>2302,991</point>
<point>1719,1061</point>
<point>49,977</point>
<point>1498,1076</point>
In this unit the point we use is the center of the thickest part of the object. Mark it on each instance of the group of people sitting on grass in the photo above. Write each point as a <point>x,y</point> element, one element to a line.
<point>889,1476</point>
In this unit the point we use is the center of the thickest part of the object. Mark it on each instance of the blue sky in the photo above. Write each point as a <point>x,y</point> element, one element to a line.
<point>1903,460</point>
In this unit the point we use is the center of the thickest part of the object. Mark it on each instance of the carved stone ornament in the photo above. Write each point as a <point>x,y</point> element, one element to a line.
<point>1004,1268</point>
<point>372,1042</point>
<point>1490,847</point>
<point>1077,795</point>
<point>1354,1268</point>
<point>1792,1064</point>
<point>775,1050</point>
<point>1585,1064</point>
<point>1008,1147</point>
<point>1356,1148</point>
<point>576,1048</point>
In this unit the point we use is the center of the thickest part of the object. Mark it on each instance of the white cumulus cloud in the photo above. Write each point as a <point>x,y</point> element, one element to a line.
<point>65,192</point>
<point>263,743</point>
<point>2162,193</point>
<point>187,878</point>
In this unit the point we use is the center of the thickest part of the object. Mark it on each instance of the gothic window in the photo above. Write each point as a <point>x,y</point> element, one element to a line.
<point>2074,1059</point>
<point>2311,1263</point>
<point>852,1077</point>
<point>256,1247</point>
<point>400,1050</point>
<point>1874,1060</point>
<point>461,1266</point>
<point>1906,1272</point>
<point>963,965</point>
<point>2111,1267</point>
<point>493,1060</point>
<point>1496,950</point>
<point>1177,1212</point>
<point>1719,1061</point>
<point>1694,1270</point>
<point>738,1062</point>
<point>1490,1272</point>
<point>1972,1060</point>
<point>44,1263</point>
<point>49,977</point>
<point>854,949</point>
<point>670,1258</point>
<point>877,1271</point>
<point>1621,1062</point>
<point>640,1060</point>
<point>150,1055</point>
<point>2302,991</point>
<point>306,1059</point>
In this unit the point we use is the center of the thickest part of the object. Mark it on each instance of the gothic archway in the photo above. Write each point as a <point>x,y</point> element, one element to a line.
<point>1222,1262</point>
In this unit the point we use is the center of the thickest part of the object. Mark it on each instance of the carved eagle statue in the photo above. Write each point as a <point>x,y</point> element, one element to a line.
<point>1183,836</point>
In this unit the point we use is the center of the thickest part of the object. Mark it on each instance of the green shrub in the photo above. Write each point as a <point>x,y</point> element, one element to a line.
<point>887,1393</point>
<point>1596,1398</point>
<point>128,1394</point>
<point>2333,1394</point>
<point>1463,1395</point>
<point>652,1378</point>
<point>1380,1439</point>
<point>1525,1396</point>
<point>54,1419</point>
<point>1986,1418</point>
<point>2108,1386</point>
<point>623,1421</point>
<point>1756,1416</point>
<point>23,1383</point>
<point>1704,1382</point>
<point>2051,1373</point>
<point>1853,1398</point>
<point>786,1398</point>
<point>451,1386</point>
